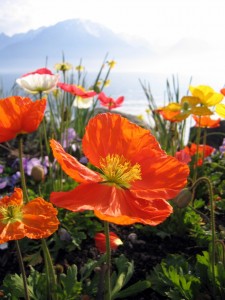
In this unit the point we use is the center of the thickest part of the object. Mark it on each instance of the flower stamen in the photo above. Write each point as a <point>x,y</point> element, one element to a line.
<point>11,214</point>
<point>118,171</point>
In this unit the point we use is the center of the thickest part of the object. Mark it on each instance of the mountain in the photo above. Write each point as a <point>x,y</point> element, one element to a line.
<point>75,38</point>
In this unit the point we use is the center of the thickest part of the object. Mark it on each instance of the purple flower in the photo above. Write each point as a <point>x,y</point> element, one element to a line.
<point>9,180</point>
<point>1,169</point>
<point>68,137</point>
<point>222,147</point>
<point>3,182</point>
<point>36,162</point>
<point>83,160</point>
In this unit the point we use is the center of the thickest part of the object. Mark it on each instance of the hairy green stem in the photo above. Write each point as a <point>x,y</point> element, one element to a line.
<point>108,262</point>
<point>22,269</point>
<point>23,180</point>
<point>213,226</point>
<point>50,269</point>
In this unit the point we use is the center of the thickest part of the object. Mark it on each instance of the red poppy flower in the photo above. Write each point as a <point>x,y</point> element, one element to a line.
<point>100,241</point>
<point>206,121</point>
<point>76,90</point>
<point>135,176</point>
<point>36,219</point>
<point>183,156</point>
<point>19,116</point>
<point>110,103</point>
<point>201,150</point>
<point>41,71</point>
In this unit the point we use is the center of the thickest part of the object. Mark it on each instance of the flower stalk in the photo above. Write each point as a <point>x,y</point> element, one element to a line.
<point>22,174</point>
<point>22,269</point>
<point>213,227</point>
<point>108,262</point>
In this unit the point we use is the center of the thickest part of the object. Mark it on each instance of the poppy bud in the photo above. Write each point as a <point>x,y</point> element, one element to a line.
<point>100,241</point>
<point>183,198</point>
<point>38,173</point>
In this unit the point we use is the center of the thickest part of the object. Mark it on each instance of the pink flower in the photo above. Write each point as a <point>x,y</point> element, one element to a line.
<point>39,81</point>
<point>83,98</point>
<point>183,156</point>
<point>110,103</point>
<point>76,90</point>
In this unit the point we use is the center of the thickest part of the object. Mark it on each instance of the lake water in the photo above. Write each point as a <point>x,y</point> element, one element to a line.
<point>122,84</point>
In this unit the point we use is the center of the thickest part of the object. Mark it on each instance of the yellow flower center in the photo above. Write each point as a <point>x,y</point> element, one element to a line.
<point>11,214</point>
<point>118,171</point>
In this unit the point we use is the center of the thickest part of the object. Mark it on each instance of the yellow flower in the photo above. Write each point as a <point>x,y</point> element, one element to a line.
<point>64,66</point>
<point>176,112</point>
<point>206,94</point>
<point>79,68</point>
<point>220,110</point>
<point>140,117</point>
<point>111,63</point>
<point>107,82</point>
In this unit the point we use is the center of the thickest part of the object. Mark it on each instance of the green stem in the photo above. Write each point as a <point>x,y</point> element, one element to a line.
<point>22,269</point>
<point>197,141</point>
<point>108,262</point>
<point>50,269</point>
<point>23,180</point>
<point>213,227</point>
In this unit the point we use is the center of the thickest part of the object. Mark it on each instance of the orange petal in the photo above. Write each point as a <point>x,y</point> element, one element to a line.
<point>151,213</point>
<point>11,232</point>
<point>16,198</point>
<point>39,219</point>
<point>32,115</point>
<point>71,166</point>
<point>19,115</point>
<point>162,175</point>
<point>112,204</point>
<point>108,134</point>
<point>86,196</point>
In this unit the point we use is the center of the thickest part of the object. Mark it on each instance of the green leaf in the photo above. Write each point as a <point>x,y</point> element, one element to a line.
<point>134,289</point>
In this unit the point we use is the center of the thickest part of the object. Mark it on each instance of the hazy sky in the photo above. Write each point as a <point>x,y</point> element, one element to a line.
<point>161,21</point>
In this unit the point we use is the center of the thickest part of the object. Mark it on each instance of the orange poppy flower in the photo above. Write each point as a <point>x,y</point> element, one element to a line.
<point>206,121</point>
<point>201,150</point>
<point>36,219</point>
<point>19,115</point>
<point>168,115</point>
<point>135,176</point>
<point>100,241</point>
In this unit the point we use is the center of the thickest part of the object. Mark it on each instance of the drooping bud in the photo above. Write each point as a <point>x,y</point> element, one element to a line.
<point>38,173</point>
<point>183,198</point>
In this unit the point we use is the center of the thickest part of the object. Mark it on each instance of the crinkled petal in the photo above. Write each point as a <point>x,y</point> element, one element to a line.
<point>71,166</point>
<point>39,219</point>
<point>11,232</point>
<point>16,198</point>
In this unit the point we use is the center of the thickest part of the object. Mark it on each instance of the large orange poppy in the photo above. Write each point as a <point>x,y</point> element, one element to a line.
<point>19,115</point>
<point>135,176</point>
<point>36,219</point>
